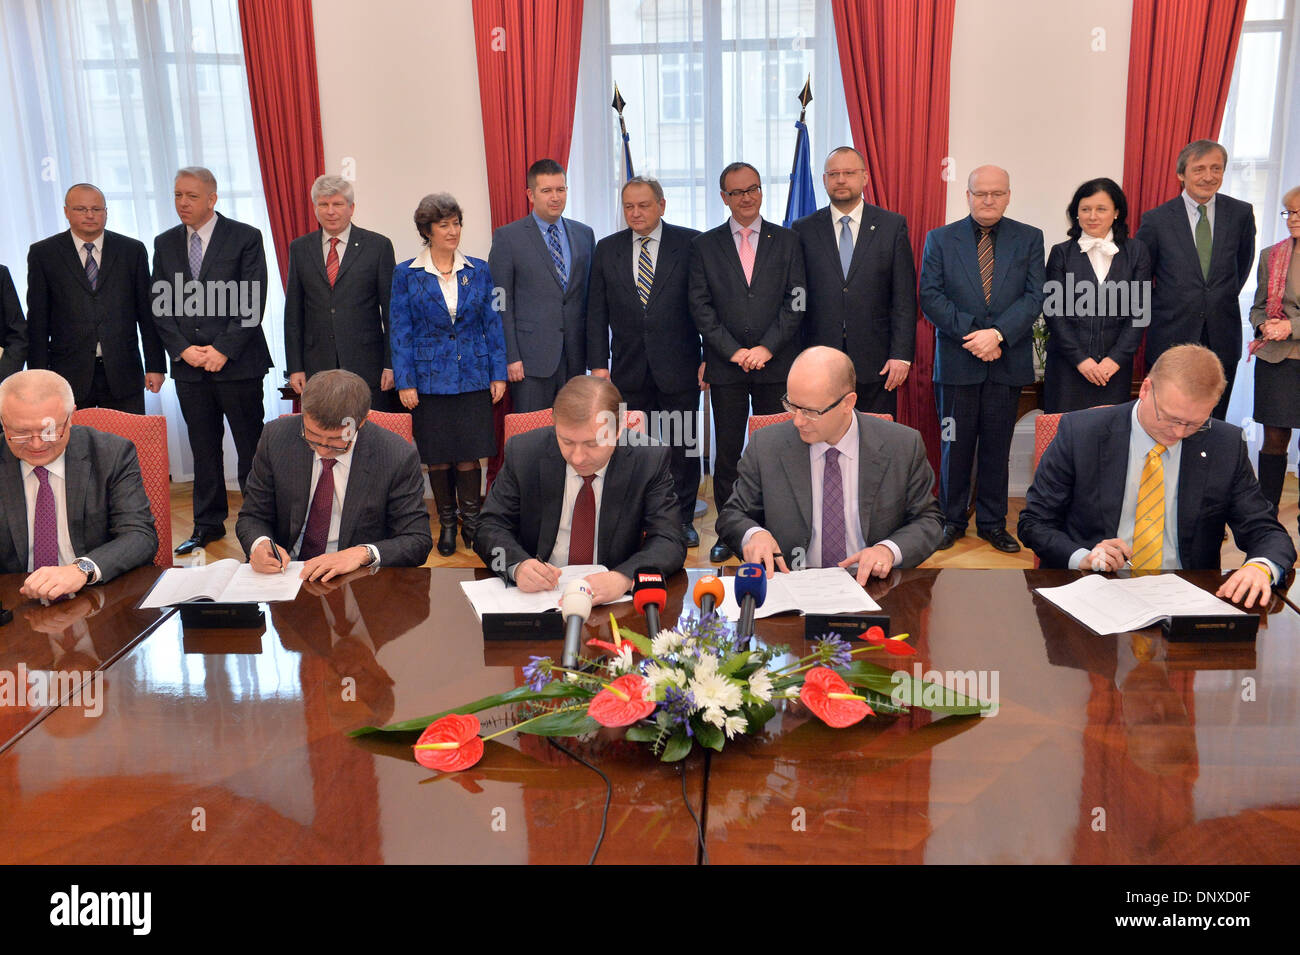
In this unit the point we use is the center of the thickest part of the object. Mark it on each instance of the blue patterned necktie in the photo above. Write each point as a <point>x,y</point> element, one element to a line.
<point>846,244</point>
<point>92,267</point>
<point>832,510</point>
<point>645,273</point>
<point>557,254</point>
<point>196,255</point>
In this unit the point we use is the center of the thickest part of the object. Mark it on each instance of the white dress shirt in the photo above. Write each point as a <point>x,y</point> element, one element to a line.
<point>342,246</point>
<point>31,486</point>
<point>572,485</point>
<point>855,223</point>
<point>1099,253</point>
<point>205,236</point>
<point>449,284</point>
<point>652,246</point>
<point>1194,216</point>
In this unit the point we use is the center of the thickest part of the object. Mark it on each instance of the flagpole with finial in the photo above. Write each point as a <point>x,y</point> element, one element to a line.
<point>805,97</point>
<point>801,200</point>
<point>618,105</point>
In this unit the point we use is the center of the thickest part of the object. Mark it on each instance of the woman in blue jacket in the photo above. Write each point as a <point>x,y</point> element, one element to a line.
<point>449,362</point>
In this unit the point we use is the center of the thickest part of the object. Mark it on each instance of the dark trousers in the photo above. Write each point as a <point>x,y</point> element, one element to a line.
<point>731,405</point>
<point>385,401</point>
<point>874,399</point>
<point>535,394</point>
<point>1229,371</point>
<point>674,430</point>
<point>975,417</point>
<point>203,403</point>
<point>101,397</point>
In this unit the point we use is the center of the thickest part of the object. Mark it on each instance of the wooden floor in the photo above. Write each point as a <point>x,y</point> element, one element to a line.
<point>971,551</point>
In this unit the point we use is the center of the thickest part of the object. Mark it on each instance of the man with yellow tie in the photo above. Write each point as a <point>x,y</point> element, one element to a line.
<point>1150,485</point>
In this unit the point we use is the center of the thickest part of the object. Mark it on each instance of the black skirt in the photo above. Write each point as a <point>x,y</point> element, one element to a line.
<point>452,428</point>
<point>1277,393</point>
<point>1064,389</point>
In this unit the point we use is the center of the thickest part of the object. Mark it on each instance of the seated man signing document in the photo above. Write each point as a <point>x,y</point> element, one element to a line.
<point>331,489</point>
<point>832,487</point>
<point>582,492</point>
<point>1150,484</point>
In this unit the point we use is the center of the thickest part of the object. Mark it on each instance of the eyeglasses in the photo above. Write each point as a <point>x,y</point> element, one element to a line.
<point>999,195</point>
<point>322,446</point>
<point>1191,427</point>
<point>82,210</point>
<point>44,434</point>
<point>810,414</point>
<point>1288,213</point>
<point>737,193</point>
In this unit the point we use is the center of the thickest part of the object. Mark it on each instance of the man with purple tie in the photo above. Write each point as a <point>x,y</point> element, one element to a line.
<point>72,496</point>
<point>833,487</point>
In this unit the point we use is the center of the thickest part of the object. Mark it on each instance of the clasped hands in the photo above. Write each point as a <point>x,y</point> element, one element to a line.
<point>761,548</point>
<point>1250,582</point>
<point>751,359</point>
<point>533,576</point>
<point>1097,372</point>
<point>983,344</point>
<point>204,356</point>
<point>1275,329</point>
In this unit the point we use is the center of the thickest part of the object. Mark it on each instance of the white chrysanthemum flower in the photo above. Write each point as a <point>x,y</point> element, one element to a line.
<point>735,724</point>
<point>665,642</point>
<point>712,690</point>
<point>657,676</point>
<point>715,716</point>
<point>706,667</point>
<point>760,684</point>
<point>621,662</point>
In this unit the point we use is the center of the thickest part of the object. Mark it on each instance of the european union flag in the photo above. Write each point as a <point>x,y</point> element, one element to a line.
<point>627,154</point>
<point>801,201</point>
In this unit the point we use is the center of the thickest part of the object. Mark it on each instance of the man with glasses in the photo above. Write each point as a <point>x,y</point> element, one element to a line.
<point>747,298</point>
<point>88,309</point>
<point>1149,485</point>
<point>833,487</point>
<point>332,490</point>
<point>73,496</point>
<point>982,289</point>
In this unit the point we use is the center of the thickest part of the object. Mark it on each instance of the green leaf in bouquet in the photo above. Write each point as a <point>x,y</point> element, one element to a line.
<point>557,690</point>
<point>708,734</point>
<point>678,745</point>
<point>561,723</point>
<point>758,716</point>
<point>905,690</point>
<point>642,733</point>
<point>636,639</point>
<point>733,663</point>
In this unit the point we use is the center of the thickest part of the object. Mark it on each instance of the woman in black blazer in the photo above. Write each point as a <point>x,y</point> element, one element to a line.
<point>1098,284</point>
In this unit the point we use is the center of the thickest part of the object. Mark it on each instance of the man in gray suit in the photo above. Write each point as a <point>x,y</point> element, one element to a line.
<point>331,490</point>
<point>73,496</point>
<point>540,264</point>
<point>876,470</point>
<point>336,298</point>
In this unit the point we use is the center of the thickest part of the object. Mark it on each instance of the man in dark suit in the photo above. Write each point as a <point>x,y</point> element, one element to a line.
<point>581,492</point>
<point>73,496</point>
<point>861,282</point>
<point>542,263</point>
<point>982,289</point>
<point>747,299</point>
<point>874,471</point>
<point>1152,483</point>
<point>336,298</point>
<point>13,327</point>
<point>329,489</point>
<point>209,294</point>
<point>638,310</point>
<point>88,309</point>
<point>1202,246</point>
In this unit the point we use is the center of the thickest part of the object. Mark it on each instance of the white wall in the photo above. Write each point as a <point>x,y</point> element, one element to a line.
<point>1031,94</point>
<point>399,100</point>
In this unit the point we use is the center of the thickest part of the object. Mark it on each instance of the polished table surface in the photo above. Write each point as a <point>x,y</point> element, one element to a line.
<point>1103,749</point>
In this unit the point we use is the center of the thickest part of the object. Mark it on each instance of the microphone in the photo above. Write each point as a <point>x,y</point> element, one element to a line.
<point>649,594</point>
<point>708,592</point>
<point>575,605</point>
<point>751,591</point>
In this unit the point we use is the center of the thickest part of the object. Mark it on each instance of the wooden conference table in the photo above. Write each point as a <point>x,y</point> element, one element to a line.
<point>232,748</point>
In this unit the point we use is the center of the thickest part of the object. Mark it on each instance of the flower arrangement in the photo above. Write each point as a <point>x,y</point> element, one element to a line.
<point>696,684</point>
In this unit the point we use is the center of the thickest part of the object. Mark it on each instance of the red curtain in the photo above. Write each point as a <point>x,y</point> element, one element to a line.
<point>280,57</point>
<point>528,84</point>
<point>896,57</point>
<point>1179,69</point>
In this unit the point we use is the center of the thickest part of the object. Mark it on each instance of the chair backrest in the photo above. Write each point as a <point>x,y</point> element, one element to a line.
<point>149,435</point>
<point>532,420</point>
<point>757,421</point>
<point>1045,426</point>
<point>397,422</point>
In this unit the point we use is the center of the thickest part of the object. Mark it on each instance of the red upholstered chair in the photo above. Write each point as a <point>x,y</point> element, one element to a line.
<point>397,422</point>
<point>1045,426</point>
<point>757,421</point>
<point>531,420</point>
<point>149,435</point>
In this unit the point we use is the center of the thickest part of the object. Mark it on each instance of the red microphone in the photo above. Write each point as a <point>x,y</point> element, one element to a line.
<point>649,594</point>
<point>708,593</point>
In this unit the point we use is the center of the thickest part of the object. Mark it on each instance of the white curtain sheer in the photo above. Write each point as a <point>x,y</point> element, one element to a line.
<point>121,93</point>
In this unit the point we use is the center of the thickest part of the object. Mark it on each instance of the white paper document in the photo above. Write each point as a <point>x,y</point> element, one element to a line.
<point>822,590</point>
<point>1120,605</point>
<point>224,581</point>
<point>491,595</point>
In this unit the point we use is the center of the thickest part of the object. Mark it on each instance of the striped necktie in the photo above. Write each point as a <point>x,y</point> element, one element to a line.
<point>92,267</point>
<point>557,253</point>
<point>985,251</point>
<point>645,273</point>
<point>1149,519</point>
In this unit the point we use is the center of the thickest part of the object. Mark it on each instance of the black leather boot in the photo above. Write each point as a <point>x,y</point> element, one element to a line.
<point>470,502</point>
<point>1272,474</point>
<point>444,495</point>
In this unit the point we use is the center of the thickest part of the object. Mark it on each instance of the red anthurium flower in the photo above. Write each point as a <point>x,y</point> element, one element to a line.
<point>899,647</point>
<point>828,696</point>
<point>622,702</point>
<point>450,744</point>
<point>606,645</point>
<point>874,635</point>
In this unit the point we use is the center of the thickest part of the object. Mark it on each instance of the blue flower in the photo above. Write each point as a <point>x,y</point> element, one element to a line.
<point>538,672</point>
<point>834,650</point>
<point>678,705</point>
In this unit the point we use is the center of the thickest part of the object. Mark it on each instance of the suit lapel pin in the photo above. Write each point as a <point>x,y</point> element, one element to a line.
<point>873,229</point>
<point>1202,454</point>
<point>464,280</point>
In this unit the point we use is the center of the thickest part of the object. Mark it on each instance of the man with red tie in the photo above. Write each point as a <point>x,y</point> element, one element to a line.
<point>582,492</point>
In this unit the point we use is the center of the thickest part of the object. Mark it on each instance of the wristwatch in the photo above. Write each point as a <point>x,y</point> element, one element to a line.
<point>370,556</point>
<point>86,567</point>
